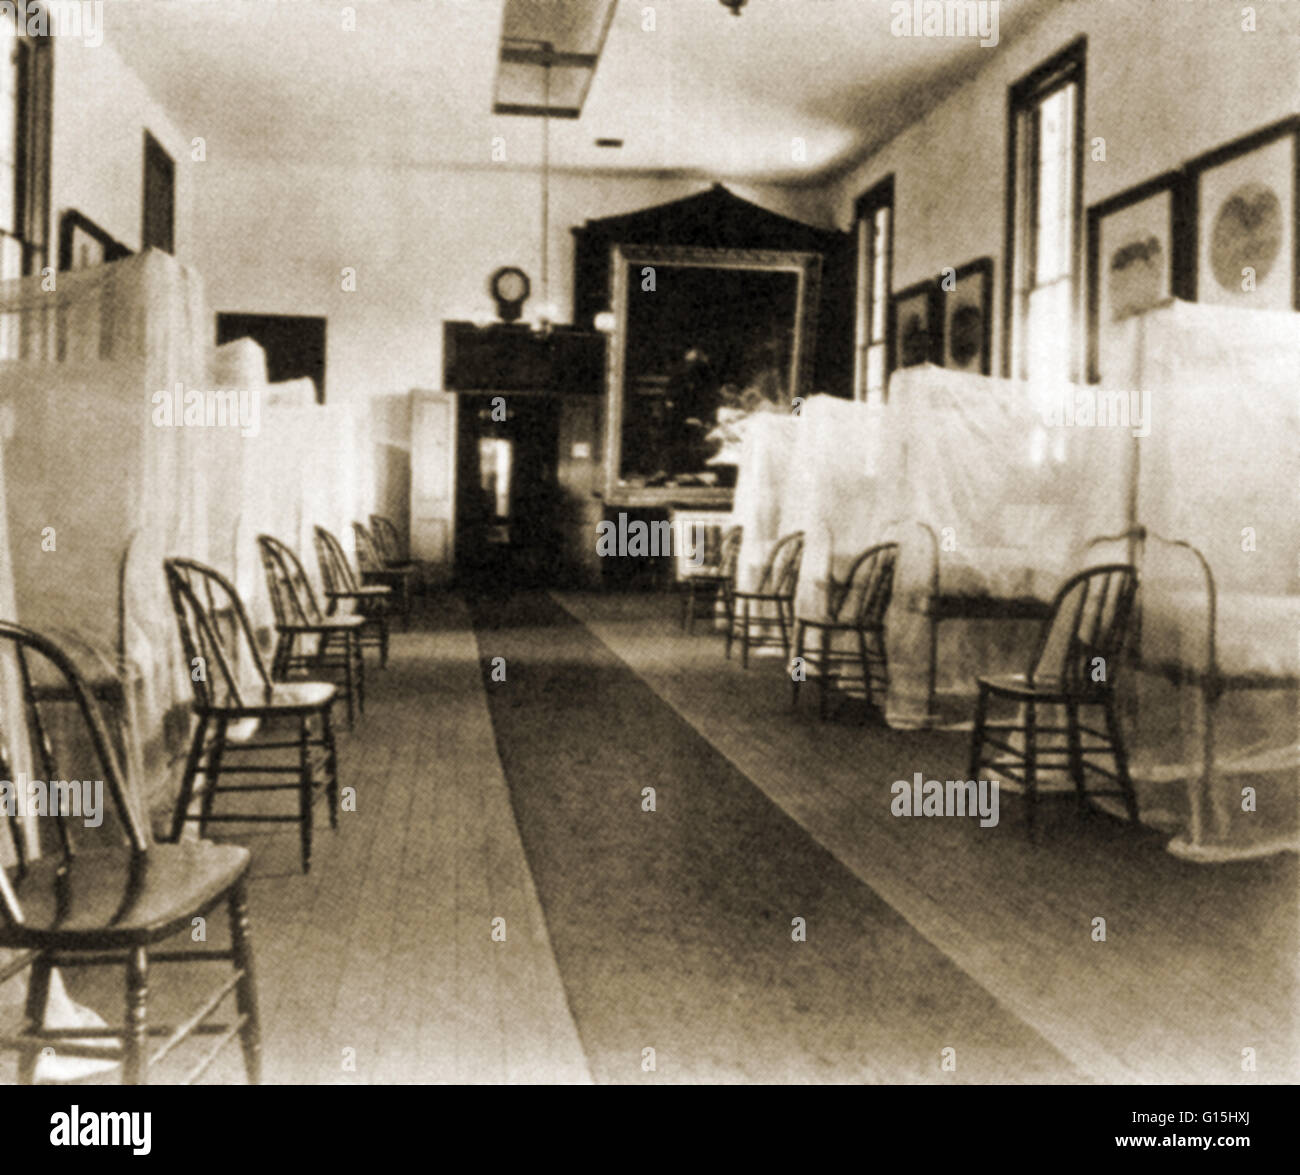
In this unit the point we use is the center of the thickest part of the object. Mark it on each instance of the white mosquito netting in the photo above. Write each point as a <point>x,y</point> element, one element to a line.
<point>995,491</point>
<point>108,470</point>
<point>1216,713</point>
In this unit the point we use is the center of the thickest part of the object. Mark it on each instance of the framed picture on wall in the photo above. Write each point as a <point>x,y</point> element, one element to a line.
<point>918,325</point>
<point>82,243</point>
<point>1135,259</point>
<point>1247,234</point>
<point>967,306</point>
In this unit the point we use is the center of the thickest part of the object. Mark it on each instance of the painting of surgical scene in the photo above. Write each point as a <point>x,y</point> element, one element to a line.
<point>706,348</point>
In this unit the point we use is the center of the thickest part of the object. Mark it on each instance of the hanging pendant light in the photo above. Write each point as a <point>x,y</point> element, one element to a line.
<point>734,5</point>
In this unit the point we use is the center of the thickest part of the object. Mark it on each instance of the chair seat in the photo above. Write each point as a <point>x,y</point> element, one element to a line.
<point>838,625</point>
<point>775,597</point>
<point>1046,689</point>
<point>333,624</point>
<point>287,697</point>
<point>373,591</point>
<point>98,911</point>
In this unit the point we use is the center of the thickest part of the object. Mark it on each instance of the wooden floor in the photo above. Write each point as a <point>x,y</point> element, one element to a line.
<point>380,966</point>
<point>1199,961</point>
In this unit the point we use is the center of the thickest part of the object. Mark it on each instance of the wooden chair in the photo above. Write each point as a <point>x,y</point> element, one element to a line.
<point>341,586</point>
<point>299,620</point>
<point>234,685</point>
<point>112,905</point>
<point>776,586</point>
<point>858,606</point>
<point>712,581</point>
<point>1082,641</point>
<point>388,544</point>
<point>375,569</point>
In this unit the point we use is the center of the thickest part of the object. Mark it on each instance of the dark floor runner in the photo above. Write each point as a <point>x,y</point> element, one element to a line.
<point>672,929</point>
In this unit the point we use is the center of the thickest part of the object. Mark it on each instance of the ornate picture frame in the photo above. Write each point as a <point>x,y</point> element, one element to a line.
<point>624,259</point>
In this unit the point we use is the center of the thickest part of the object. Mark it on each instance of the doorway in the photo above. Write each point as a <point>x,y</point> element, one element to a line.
<point>507,491</point>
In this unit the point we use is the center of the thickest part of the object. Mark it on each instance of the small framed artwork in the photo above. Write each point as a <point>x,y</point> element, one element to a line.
<point>967,330</point>
<point>1247,233</point>
<point>82,243</point>
<point>918,325</point>
<point>1135,250</point>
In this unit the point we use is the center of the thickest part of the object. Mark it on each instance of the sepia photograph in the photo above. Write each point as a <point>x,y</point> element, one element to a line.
<point>650,542</point>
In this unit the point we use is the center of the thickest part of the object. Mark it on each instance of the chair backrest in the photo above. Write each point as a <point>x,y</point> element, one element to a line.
<point>335,570</point>
<point>215,651</point>
<point>384,532</point>
<point>730,553</point>
<point>49,677</point>
<point>1082,641</point>
<point>781,571</point>
<point>863,598</point>
<point>291,592</point>
<point>368,555</point>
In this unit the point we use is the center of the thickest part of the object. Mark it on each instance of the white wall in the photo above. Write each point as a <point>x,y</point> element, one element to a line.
<point>275,240</point>
<point>101,111</point>
<point>1166,80</point>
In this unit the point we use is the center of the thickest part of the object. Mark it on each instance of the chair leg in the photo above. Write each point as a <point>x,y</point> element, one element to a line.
<point>331,763</point>
<point>785,631</point>
<point>135,1038</point>
<point>383,642</point>
<point>1076,754</point>
<point>349,681</point>
<point>354,641</point>
<point>823,674</point>
<point>866,670</point>
<point>186,796</point>
<point>688,607</point>
<point>1031,761</point>
<point>38,995</point>
<point>304,790</point>
<point>731,624</point>
<point>977,734</point>
<point>744,635</point>
<point>250,1035</point>
<point>212,774</point>
<point>795,669</point>
<point>1121,758</point>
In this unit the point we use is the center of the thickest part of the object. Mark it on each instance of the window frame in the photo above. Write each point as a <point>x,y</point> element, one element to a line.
<point>33,103</point>
<point>1024,100</point>
<point>865,209</point>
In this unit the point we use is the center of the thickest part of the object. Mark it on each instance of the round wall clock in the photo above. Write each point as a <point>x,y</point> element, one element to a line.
<point>510,289</point>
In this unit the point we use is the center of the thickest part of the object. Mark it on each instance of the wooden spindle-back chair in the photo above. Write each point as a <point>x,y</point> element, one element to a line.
<point>231,684</point>
<point>112,905</point>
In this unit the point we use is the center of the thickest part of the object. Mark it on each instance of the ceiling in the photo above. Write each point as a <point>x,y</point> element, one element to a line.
<point>702,93</point>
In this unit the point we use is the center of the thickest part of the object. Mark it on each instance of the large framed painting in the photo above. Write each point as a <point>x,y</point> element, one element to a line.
<point>918,325</point>
<point>1247,234</point>
<point>967,306</point>
<point>1135,244</point>
<point>702,338</point>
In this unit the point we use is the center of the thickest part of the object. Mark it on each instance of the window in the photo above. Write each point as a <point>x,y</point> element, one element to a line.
<point>874,220</point>
<point>1045,191</point>
<point>25,75</point>
<point>159,196</point>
